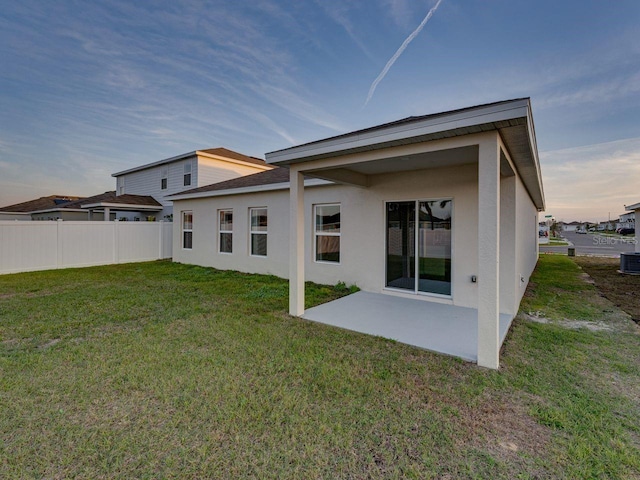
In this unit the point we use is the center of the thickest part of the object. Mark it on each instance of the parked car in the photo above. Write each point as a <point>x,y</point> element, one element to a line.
<point>581,232</point>
<point>627,231</point>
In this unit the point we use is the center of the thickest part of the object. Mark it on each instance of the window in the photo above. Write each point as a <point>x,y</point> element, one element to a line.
<point>327,233</point>
<point>120,185</point>
<point>187,230</point>
<point>187,173</point>
<point>258,230</point>
<point>164,175</point>
<point>226,231</point>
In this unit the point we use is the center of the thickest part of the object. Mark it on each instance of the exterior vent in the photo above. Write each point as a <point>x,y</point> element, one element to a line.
<point>630,263</point>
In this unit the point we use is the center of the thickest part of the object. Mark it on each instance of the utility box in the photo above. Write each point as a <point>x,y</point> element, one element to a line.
<point>630,263</point>
<point>571,251</point>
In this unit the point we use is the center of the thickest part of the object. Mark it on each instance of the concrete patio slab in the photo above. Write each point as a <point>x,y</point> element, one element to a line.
<point>433,326</point>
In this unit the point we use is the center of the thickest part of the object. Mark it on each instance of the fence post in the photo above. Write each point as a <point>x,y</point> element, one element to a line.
<point>161,230</point>
<point>59,259</point>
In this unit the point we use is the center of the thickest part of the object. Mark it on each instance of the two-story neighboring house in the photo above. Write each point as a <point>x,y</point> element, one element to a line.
<point>184,172</point>
<point>626,220</point>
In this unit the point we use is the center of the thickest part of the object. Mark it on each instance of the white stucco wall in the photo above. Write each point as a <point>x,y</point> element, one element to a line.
<point>526,238</point>
<point>362,226</point>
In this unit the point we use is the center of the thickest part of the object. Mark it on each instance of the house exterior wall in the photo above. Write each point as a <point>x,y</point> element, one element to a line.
<point>204,171</point>
<point>14,216</point>
<point>214,171</point>
<point>526,240</point>
<point>508,212</point>
<point>148,182</point>
<point>69,216</point>
<point>362,229</point>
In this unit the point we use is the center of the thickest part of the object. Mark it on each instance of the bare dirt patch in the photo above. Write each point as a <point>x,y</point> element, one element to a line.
<point>622,290</point>
<point>503,427</point>
<point>570,324</point>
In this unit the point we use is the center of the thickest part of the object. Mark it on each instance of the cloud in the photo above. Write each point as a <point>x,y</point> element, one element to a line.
<point>402,48</point>
<point>606,91</point>
<point>590,182</point>
<point>339,13</point>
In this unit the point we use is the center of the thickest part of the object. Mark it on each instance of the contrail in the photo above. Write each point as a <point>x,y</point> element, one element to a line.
<point>404,45</point>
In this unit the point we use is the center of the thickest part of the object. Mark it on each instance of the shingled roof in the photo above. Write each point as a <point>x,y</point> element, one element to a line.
<point>276,175</point>
<point>42,203</point>
<point>112,198</point>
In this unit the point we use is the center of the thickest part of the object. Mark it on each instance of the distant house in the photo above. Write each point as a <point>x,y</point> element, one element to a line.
<point>185,172</point>
<point>109,206</point>
<point>43,208</point>
<point>98,207</point>
<point>635,209</point>
<point>440,208</point>
<point>605,226</point>
<point>571,227</point>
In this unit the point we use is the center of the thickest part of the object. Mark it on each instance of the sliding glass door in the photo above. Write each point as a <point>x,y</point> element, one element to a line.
<point>419,240</point>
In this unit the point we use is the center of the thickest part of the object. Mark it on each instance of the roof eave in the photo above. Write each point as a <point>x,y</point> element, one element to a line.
<point>155,164</point>
<point>456,123</point>
<point>417,129</point>
<point>128,206</point>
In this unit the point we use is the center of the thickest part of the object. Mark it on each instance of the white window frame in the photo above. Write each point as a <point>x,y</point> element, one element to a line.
<point>257,232</point>
<point>221,231</point>
<point>187,170</point>
<point>326,234</point>
<point>185,230</point>
<point>164,178</point>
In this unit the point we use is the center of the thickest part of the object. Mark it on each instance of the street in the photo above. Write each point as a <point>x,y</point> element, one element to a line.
<point>593,244</point>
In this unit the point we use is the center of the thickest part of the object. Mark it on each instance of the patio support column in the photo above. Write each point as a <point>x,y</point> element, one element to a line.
<point>296,242</point>
<point>107,214</point>
<point>489,252</point>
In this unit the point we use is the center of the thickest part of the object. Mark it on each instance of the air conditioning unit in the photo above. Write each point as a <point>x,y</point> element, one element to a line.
<point>630,263</point>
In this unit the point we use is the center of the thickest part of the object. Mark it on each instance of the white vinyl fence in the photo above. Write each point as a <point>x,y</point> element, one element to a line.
<point>29,246</point>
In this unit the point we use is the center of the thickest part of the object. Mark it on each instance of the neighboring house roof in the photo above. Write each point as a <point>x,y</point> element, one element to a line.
<point>511,118</point>
<point>42,203</point>
<point>631,208</point>
<point>108,199</point>
<point>277,175</point>
<point>274,179</point>
<point>214,153</point>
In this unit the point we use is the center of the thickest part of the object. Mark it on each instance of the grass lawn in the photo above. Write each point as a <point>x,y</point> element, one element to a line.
<point>161,370</point>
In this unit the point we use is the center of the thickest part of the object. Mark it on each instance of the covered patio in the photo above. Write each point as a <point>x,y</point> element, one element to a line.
<point>490,256</point>
<point>441,328</point>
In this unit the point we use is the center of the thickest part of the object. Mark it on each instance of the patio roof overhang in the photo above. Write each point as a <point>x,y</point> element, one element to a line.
<point>632,208</point>
<point>121,207</point>
<point>353,157</point>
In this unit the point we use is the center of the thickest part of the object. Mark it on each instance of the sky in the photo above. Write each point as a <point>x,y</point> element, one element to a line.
<point>91,88</point>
